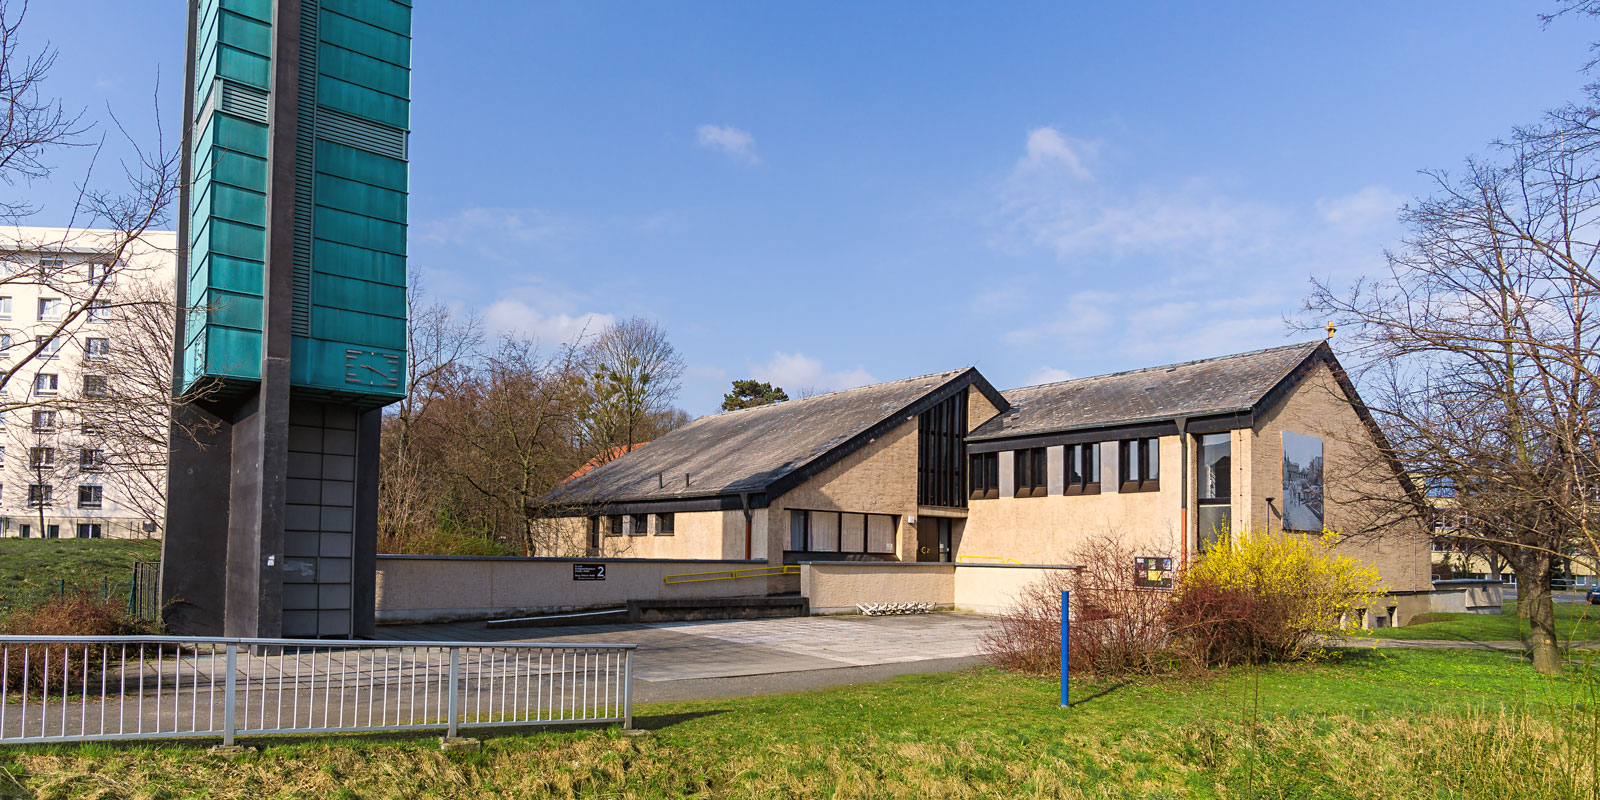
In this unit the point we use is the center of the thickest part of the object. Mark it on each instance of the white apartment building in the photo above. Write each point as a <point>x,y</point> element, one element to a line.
<point>62,299</point>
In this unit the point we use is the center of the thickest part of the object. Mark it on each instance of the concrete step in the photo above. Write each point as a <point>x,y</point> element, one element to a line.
<point>604,616</point>
<point>701,608</point>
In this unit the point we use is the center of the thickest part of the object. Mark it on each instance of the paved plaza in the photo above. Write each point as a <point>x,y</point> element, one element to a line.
<point>720,658</point>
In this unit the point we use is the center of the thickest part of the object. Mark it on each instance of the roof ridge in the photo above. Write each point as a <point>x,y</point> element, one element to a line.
<point>1174,365</point>
<point>834,392</point>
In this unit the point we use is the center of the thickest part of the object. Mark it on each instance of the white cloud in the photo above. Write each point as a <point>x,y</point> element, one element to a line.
<point>1047,147</point>
<point>738,144</point>
<point>1046,375</point>
<point>798,373</point>
<point>471,225</point>
<point>516,318</point>
<point>1367,207</point>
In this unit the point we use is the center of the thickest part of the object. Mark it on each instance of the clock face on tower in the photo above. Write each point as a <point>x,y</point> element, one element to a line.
<point>371,368</point>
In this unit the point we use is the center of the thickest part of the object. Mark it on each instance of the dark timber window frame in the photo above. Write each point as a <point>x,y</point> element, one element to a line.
<point>638,524</point>
<point>614,525</point>
<point>594,533</point>
<point>1145,457</point>
<point>984,470</point>
<point>1031,472</point>
<point>941,444</point>
<point>806,530</point>
<point>666,524</point>
<point>1080,464</point>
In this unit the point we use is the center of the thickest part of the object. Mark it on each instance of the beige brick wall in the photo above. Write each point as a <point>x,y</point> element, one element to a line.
<point>979,409</point>
<point>880,478</point>
<point>1046,530</point>
<point>1317,407</point>
<point>697,534</point>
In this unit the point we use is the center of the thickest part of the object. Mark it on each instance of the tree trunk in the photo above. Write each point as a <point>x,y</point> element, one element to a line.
<point>1535,598</point>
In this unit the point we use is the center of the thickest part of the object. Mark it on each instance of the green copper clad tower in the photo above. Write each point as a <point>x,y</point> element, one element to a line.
<point>296,119</point>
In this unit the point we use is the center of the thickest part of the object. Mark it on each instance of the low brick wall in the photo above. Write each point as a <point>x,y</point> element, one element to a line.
<point>837,587</point>
<point>414,589</point>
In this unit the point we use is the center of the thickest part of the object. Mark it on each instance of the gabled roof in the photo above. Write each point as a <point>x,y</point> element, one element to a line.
<point>757,449</point>
<point>1209,387</point>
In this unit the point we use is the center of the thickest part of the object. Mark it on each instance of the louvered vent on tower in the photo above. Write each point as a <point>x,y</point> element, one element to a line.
<point>305,151</point>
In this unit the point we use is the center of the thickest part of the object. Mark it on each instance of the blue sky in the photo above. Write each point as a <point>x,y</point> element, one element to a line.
<point>828,194</point>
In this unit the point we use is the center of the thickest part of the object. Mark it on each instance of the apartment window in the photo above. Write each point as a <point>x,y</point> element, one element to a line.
<point>5,308</point>
<point>95,386</point>
<point>45,383</point>
<point>594,533</point>
<point>97,348</point>
<point>1082,463</point>
<point>99,311</point>
<point>2,454</point>
<point>841,532</point>
<point>47,263</point>
<point>41,458</point>
<point>91,459</point>
<point>1141,464</point>
<point>40,495</point>
<point>48,345</point>
<point>52,531</point>
<point>638,524</point>
<point>614,525</point>
<point>983,476</point>
<point>44,420</point>
<point>50,308</point>
<point>1030,472</point>
<point>91,431</point>
<point>24,531</point>
<point>88,530</point>
<point>665,524</point>
<point>99,272</point>
<point>89,496</point>
<point>5,342</point>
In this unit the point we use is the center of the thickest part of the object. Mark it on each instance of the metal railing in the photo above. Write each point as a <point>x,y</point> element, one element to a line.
<point>144,591</point>
<point>731,574</point>
<point>80,688</point>
<point>997,559</point>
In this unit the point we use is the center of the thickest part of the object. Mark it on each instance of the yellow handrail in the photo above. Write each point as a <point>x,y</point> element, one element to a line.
<point>1000,559</point>
<point>732,574</point>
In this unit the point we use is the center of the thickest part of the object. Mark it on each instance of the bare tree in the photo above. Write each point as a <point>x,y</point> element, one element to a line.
<point>633,374</point>
<point>74,267</point>
<point>1480,353</point>
<point>441,345</point>
<point>124,402</point>
<point>505,439</point>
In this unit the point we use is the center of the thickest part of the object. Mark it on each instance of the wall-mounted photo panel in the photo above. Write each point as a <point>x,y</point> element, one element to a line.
<point>1302,482</point>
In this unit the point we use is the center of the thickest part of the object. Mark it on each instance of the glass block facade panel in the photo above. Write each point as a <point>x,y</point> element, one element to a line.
<point>351,180</point>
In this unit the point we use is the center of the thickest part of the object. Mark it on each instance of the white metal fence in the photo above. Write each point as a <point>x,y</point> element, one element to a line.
<point>78,688</point>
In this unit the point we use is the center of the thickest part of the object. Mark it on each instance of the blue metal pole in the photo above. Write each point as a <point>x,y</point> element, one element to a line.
<point>1066,632</point>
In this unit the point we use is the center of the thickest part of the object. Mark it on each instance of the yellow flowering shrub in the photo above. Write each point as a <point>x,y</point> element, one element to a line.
<point>1269,595</point>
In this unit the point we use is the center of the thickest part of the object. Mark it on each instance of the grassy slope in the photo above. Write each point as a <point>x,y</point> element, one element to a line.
<point>1577,621</point>
<point>1373,724</point>
<point>32,568</point>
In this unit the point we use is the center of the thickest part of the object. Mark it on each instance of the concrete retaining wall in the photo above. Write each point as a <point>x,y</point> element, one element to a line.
<point>414,589</point>
<point>837,587</point>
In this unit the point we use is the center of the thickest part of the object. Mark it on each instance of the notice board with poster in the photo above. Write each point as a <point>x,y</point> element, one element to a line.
<point>1152,572</point>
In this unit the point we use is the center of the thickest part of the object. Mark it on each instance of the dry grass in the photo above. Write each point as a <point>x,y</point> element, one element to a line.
<point>1369,725</point>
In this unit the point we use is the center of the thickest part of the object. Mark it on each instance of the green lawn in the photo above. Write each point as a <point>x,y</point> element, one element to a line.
<point>32,569</point>
<point>1370,723</point>
<point>1575,621</point>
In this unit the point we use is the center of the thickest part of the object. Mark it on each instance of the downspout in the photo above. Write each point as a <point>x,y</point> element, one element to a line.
<point>744,500</point>
<point>1183,482</point>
